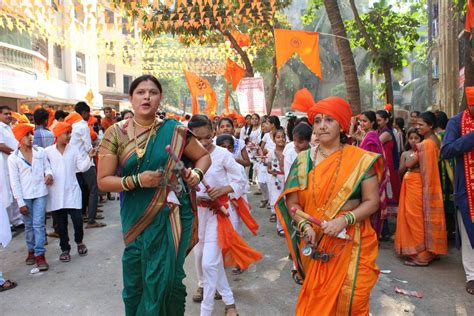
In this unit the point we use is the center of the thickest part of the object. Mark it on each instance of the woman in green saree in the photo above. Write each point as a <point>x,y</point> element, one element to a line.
<point>156,214</point>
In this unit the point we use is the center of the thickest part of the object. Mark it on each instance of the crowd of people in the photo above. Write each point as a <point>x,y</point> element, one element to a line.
<point>335,186</point>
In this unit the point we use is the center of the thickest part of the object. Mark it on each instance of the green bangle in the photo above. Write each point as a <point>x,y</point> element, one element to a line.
<point>125,186</point>
<point>136,184</point>
<point>302,223</point>
<point>199,173</point>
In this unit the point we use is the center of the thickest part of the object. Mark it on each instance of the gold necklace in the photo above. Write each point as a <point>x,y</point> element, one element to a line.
<point>143,126</point>
<point>141,151</point>
<point>333,184</point>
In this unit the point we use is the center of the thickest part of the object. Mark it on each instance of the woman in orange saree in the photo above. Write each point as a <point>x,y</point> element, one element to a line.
<point>421,223</point>
<point>337,185</point>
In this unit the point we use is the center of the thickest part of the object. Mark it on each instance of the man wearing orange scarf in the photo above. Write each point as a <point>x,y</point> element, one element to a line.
<point>458,143</point>
<point>108,120</point>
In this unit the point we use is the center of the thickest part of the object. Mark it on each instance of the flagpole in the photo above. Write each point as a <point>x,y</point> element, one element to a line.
<point>327,34</point>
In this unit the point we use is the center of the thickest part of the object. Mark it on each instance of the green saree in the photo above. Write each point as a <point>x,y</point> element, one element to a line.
<point>157,234</point>
<point>446,173</point>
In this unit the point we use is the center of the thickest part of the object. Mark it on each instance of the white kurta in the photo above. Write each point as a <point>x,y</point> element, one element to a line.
<point>5,232</point>
<point>7,138</point>
<point>290,155</point>
<point>275,184</point>
<point>65,191</point>
<point>81,139</point>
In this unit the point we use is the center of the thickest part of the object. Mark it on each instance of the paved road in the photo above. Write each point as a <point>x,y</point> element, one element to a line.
<point>92,285</point>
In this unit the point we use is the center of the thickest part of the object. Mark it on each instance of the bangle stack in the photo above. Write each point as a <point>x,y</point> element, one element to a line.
<point>199,173</point>
<point>125,186</point>
<point>302,224</point>
<point>135,181</point>
<point>350,218</point>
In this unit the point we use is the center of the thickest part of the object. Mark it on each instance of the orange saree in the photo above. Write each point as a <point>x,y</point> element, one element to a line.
<point>421,224</point>
<point>342,285</point>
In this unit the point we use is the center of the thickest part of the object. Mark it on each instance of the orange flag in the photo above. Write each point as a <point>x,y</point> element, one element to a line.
<point>469,16</point>
<point>201,87</point>
<point>89,96</point>
<point>306,44</point>
<point>233,74</point>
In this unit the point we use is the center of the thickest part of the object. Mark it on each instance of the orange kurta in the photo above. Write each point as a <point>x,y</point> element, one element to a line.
<point>106,123</point>
<point>341,286</point>
<point>421,223</point>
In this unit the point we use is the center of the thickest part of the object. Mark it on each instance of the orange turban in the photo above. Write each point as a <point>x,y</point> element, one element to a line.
<point>20,130</point>
<point>470,96</point>
<point>61,128</point>
<point>21,118</point>
<point>336,107</point>
<point>73,117</point>
<point>303,101</point>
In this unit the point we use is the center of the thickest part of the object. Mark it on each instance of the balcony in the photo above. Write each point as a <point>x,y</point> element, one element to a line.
<point>22,58</point>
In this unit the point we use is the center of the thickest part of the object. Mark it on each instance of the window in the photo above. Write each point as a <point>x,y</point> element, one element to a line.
<point>110,76</point>
<point>126,31</point>
<point>81,62</point>
<point>127,80</point>
<point>58,56</point>
<point>55,4</point>
<point>109,16</point>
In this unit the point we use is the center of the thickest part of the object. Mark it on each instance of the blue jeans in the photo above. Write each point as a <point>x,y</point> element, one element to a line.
<point>35,230</point>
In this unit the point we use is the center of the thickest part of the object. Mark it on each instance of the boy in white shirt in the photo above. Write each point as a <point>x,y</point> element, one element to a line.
<point>65,196</point>
<point>30,174</point>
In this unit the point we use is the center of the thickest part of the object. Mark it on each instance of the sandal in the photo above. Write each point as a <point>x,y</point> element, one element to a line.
<point>281,233</point>
<point>231,310</point>
<point>237,270</point>
<point>413,263</point>
<point>263,204</point>
<point>217,296</point>
<point>82,250</point>
<point>8,285</point>
<point>296,277</point>
<point>65,256</point>
<point>95,225</point>
<point>198,297</point>
<point>273,218</point>
<point>99,216</point>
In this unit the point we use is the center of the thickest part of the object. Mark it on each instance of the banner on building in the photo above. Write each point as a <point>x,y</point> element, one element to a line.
<point>251,96</point>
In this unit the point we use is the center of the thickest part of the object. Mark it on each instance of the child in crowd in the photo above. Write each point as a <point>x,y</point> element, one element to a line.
<point>413,138</point>
<point>30,174</point>
<point>275,168</point>
<point>223,177</point>
<point>226,126</point>
<point>65,195</point>
<point>302,133</point>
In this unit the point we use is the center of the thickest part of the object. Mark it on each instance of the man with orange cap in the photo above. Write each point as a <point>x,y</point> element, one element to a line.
<point>458,143</point>
<point>8,144</point>
<point>81,140</point>
<point>65,196</point>
<point>30,174</point>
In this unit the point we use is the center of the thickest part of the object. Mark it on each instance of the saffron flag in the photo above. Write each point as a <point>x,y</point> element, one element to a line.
<point>233,74</point>
<point>469,16</point>
<point>306,44</point>
<point>89,96</point>
<point>201,87</point>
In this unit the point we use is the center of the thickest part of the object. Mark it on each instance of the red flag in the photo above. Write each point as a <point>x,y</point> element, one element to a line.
<point>469,16</point>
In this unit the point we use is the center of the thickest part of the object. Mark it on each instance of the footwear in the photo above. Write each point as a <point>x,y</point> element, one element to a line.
<point>470,287</point>
<point>95,225</point>
<point>99,210</point>
<point>217,296</point>
<point>413,263</point>
<point>281,233</point>
<point>82,250</point>
<point>99,216</point>
<point>273,218</point>
<point>65,256</point>
<point>41,263</point>
<point>111,198</point>
<point>263,203</point>
<point>258,193</point>
<point>237,270</point>
<point>199,295</point>
<point>230,310</point>
<point>53,235</point>
<point>296,277</point>
<point>30,260</point>
<point>8,285</point>
<point>21,226</point>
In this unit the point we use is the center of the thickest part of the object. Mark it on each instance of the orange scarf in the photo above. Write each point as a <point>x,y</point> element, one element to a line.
<point>467,126</point>
<point>243,210</point>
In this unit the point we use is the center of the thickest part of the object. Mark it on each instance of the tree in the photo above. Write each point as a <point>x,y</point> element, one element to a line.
<point>344,48</point>
<point>389,35</point>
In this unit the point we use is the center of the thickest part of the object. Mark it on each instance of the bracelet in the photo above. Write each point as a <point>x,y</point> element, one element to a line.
<point>125,186</point>
<point>135,181</point>
<point>139,181</point>
<point>350,218</point>
<point>199,173</point>
<point>302,224</point>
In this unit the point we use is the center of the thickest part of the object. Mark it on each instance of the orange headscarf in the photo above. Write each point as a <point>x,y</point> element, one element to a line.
<point>20,130</point>
<point>61,128</point>
<point>73,117</point>
<point>21,118</point>
<point>336,107</point>
<point>470,96</point>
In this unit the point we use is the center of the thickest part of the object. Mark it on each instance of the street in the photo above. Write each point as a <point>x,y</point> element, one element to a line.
<point>92,285</point>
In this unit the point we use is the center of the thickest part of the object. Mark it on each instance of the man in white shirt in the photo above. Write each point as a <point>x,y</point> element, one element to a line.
<point>81,140</point>
<point>8,144</point>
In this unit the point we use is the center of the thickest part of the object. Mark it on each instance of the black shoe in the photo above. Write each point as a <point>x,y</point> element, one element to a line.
<point>21,226</point>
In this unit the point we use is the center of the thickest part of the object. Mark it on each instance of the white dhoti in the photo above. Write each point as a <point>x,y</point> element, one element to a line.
<point>210,264</point>
<point>466,250</point>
